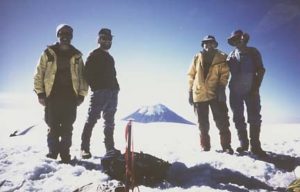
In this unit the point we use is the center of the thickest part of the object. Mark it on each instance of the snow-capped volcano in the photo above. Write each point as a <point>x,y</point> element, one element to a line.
<point>156,113</point>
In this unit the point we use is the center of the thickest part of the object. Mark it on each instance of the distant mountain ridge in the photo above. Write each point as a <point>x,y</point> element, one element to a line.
<point>156,113</point>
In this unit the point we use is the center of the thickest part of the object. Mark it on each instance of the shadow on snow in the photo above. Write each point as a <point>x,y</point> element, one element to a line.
<point>280,161</point>
<point>206,175</point>
<point>179,175</point>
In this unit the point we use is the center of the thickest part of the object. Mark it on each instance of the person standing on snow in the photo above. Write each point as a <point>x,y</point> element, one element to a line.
<point>60,86</point>
<point>100,73</point>
<point>247,72</point>
<point>208,76</point>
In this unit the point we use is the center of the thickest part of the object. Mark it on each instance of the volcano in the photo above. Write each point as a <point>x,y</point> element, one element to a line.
<point>156,113</point>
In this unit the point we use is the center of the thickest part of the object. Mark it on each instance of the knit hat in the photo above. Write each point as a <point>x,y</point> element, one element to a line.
<point>61,26</point>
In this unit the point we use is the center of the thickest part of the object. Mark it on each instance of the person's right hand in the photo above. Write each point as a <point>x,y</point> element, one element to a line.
<point>191,101</point>
<point>42,101</point>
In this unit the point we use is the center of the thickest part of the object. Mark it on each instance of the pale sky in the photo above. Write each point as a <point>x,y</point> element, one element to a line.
<point>154,43</point>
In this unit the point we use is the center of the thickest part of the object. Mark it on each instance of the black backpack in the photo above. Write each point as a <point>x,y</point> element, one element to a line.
<point>148,170</point>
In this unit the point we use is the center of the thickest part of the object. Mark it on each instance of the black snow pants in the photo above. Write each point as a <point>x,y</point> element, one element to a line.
<point>60,114</point>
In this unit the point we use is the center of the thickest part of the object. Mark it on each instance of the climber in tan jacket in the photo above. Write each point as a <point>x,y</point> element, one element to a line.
<point>208,76</point>
<point>60,86</point>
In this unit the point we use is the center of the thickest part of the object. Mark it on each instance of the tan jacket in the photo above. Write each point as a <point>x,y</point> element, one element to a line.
<point>206,89</point>
<point>46,70</point>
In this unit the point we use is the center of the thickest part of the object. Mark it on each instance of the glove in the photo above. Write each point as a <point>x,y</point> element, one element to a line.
<point>80,99</point>
<point>42,98</point>
<point>221,95</point>
<point>42,101</point>
<point>191,101</point>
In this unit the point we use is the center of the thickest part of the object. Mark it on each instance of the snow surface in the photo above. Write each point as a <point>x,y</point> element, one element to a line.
<point>25,168</point>
<point>152,109</point>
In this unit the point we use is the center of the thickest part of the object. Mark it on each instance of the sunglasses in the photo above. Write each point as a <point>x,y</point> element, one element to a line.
<point>65,33</point>
<point>106,38</point>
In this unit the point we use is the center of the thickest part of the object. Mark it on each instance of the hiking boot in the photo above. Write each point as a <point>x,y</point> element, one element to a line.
<point>225,139</point>
<point>228,150</point>
<point>243,138</point>
<point>205,142</point>
<point>52,155</point>
<point>242,149</point>
<point>112,153</point>
<point>259,152</point>
<point>65,158</point>
<point>85,154</point>
<point>205,149</point>
<point>65,161</point>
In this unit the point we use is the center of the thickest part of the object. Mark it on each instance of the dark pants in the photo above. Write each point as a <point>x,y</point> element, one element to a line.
<point>60,115</point>
<point>103,101</point>
<point>220,115</point>
<point>252,102</point>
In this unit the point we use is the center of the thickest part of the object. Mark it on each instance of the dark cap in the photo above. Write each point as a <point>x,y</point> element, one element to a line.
<point>63,26</point>
<point>235,35</point>
<point>209,38</point>
<point>105,31</point>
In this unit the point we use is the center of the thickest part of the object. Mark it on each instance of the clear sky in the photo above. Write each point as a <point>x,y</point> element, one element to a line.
<point>154,43</point>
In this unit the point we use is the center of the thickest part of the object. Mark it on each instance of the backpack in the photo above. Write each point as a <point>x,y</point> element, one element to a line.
<point>148,170</point>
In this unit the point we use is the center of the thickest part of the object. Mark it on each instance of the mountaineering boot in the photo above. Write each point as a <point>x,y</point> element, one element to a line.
<point>109,139</point>
<point>225,139</point>
<point>52,155</point>
<point>65,158</point>
<point>205,141</point>
<point>112,153</point>
<point>53,143</point>
<point>255,142</point>
<point>228,151</point>
<point>85,140</point>
<point>258,151</point>
<point>244,141</point>
<point>65,155</point>
<point>109,143</point>
<point>242,148</point>
<point>85,154</point>
<point>86,136</point>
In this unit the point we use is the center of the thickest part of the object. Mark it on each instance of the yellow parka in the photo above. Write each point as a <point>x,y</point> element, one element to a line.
<point>218,75</point>
<point>46,70</point>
